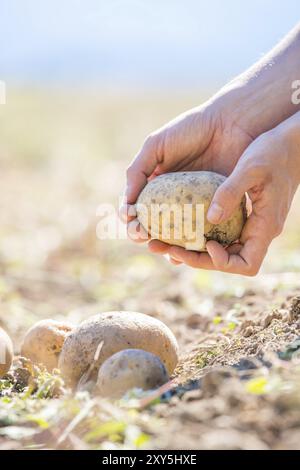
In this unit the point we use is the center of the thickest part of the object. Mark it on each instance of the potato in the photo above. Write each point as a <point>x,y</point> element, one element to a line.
<point>115,331</point>
<point>6,352</point>
<point>44,341</point>
<point>130,368</point>
<point>171,199</point>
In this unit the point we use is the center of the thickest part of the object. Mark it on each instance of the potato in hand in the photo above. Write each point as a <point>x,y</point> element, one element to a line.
<point>173,207</point>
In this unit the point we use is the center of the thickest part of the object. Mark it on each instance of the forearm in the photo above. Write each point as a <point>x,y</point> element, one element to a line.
<point>261,97</point>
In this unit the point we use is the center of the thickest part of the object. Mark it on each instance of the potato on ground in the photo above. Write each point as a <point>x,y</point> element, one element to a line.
<point>112,332</point>
<point>6,352</point>
<point>167,209</point>
<point>44,341</point>
<point>128,369</point>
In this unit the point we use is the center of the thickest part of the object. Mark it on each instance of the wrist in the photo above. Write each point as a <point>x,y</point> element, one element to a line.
<point>250,109</point>
<point>256,102</point>
<point>261,98</point>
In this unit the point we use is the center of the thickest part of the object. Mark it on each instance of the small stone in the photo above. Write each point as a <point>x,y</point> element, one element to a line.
<point>245,364</point>
<point>195,320</point>
<point>246,324</point>
<point>248,332</point>
<point>275,315</point>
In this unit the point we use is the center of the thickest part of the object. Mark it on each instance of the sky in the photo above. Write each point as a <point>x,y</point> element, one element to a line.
<point>155,43</point>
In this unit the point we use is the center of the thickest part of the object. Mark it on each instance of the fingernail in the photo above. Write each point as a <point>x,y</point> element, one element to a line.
<point>127,211</point>
<point>175,256</point>
<point>215,213</point>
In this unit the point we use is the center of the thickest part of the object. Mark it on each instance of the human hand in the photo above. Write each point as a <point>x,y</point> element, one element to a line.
<point>205,138</point>
<point>269,171</point>
<point>213,137</point>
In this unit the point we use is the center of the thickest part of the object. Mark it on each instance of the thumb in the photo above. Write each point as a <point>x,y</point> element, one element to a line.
<point>142,168</point>
<point>229,195</point>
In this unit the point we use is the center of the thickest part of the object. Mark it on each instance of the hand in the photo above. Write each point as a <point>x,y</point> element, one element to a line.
<point>269,171</point>
<point>213,137</point>
<point>205,138</point>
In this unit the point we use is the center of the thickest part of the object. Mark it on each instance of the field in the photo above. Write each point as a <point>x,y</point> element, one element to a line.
<point>237,384</point>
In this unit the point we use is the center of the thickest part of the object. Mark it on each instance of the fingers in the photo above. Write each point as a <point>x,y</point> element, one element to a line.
<point>227,198</point>
<point>229,195</point>
<point>158,247</point>
<point>243,258</point>
<point>237,259</point>
<point>127,212</point>
<point>246,262</point>
<point>181,255</point>
<point>161,248</point>
<point>136,232</point>
<point>193,259</point>
<point>142,168</point>
<point>246,257</point>
<point>174,261</point>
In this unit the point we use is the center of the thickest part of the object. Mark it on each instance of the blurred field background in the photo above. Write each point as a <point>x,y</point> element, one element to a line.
<point>75,115</point>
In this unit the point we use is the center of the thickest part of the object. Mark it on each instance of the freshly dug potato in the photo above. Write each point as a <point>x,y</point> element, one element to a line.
<point>113,332</point>
<point>130,368</point>
<point>170,219</point>
<point>6,352</point>
<point>44,341</point>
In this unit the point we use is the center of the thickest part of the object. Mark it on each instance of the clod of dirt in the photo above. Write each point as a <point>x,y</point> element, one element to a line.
<point>294,312</point>
<point>275,315</point>
<point>246,324</point>
<point>248,331</point>
<point>195,320</point>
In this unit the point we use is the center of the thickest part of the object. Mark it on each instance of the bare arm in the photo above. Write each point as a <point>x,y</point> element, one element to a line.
<point>243,131</point>
<point>261,97</point>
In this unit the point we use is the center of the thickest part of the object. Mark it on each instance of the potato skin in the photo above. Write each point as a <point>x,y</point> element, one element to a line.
<point>193,187</point>
<point>43,342</point>
<point>118,331</point>
<point>130,368</point>
<point>6,352</point>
